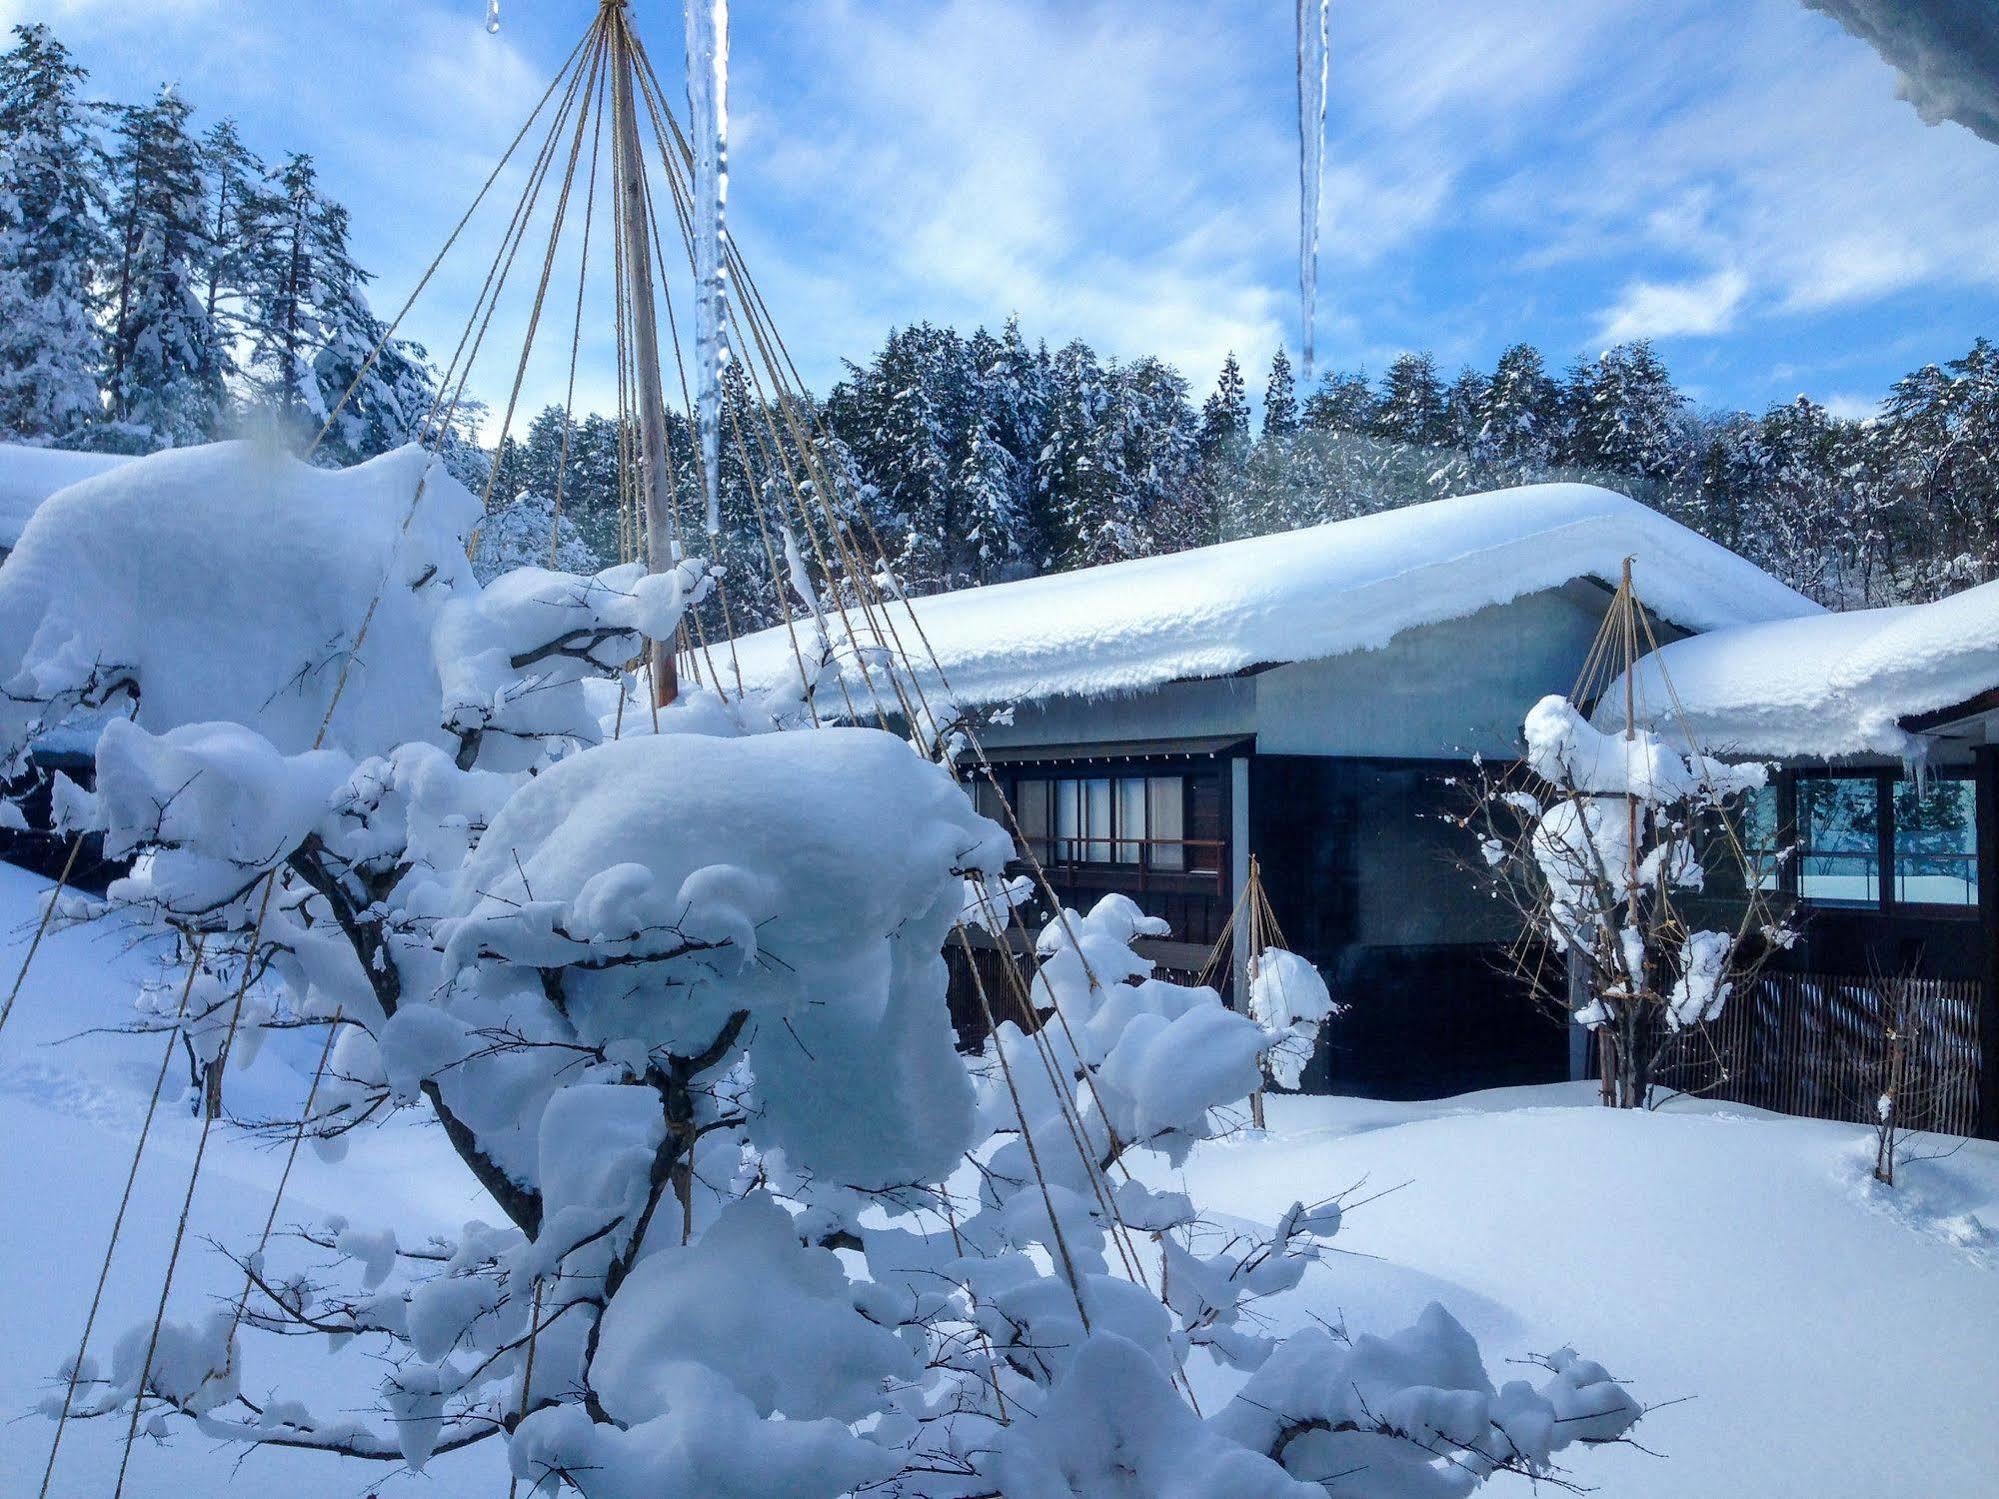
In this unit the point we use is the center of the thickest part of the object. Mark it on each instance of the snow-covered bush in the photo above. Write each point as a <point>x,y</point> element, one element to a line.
<point>1289,999</point>
<point>1606,847</point>
<point>676,1001</point>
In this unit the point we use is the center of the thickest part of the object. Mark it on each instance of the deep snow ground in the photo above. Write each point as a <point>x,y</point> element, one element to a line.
<point>69,1115</point>
<point>1825,1338</point>
<point>1837,1341</point>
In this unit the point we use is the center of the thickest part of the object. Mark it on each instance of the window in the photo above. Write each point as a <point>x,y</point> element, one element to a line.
<point>1031,806</point>
<point>1879,840</point>
<point>1936,842</point>
<point>1839,838</point>
<point>1758,820</point>
<point>1166,821</point>
<point>1135,820</point>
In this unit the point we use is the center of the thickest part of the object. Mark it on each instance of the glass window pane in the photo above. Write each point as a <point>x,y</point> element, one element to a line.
<point>987,799</point>
<point>1031,807</point>
<point>1131,832</point>
<point>1166,821</point>
<point>1068,821</point>
<point>1097,821</point>
<point>1936,842</point>
<point>1839,853</point>
<point>1757,824</point>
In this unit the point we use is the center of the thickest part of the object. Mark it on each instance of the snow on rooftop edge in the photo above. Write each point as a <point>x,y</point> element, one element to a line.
<point>30,475</point>
<point>1321,591</point>
<point>1828,685</point>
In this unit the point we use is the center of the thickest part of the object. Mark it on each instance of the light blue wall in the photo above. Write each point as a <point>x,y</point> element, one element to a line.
<point>1440,691</point>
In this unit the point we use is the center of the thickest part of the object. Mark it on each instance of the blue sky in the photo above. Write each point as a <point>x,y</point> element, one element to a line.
<point>1734,178</point>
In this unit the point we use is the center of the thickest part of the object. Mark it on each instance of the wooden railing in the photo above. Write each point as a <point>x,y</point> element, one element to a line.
<point>1202,861</point>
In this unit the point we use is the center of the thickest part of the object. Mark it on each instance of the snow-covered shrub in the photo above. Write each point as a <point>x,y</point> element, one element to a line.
<point>1607,847</point>
<point>1289,999</point>
<point>676,1001</point>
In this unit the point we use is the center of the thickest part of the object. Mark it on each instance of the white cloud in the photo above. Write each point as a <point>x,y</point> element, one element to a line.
<point>1852,408</point>
<point>1655,309</point>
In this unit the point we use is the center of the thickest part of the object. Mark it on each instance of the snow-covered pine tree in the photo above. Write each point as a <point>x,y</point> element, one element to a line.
<point>989,478</point>
<point>1411,409</point>
<point>1225,416</point>
<point>304,290</point>
<point>1162,458</point>
<point>1522,415</point>
<point>1724,484</point>
<point>230,176</point>
<point>1625,417</point>
<point>1941,429</point>
<point>1344,402</point>
<point>166,363</point>
<point>386,401</point>
<point>1464,434</point>
<point>1018,389</point>
<point>52,196</point>
<point>1801,520</point>
<point>1280,398</point>
<point>1079,480</point>
<point>1224,447</point>
<point>890,415</point>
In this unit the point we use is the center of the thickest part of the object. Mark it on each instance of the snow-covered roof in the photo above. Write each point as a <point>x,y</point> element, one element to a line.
<point>1830,684</point>
<point>1322,591</point>
<point>30,475</point>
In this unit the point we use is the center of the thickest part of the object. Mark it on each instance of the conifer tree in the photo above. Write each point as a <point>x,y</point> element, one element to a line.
<point>1344,402</point>
<point>1161,460</point>
<point>989,478</point>
<point>1522,415</point>
<point>1411,410</point>
<point>166,375</point>
<point>1624,415</point>
<point>52,198</point>
<point>230,175</point>
<point>1225,416</point>
<point>1280,398</point>
<point>304,291</point>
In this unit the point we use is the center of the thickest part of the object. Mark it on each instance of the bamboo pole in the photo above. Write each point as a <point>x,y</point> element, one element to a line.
<point>633,228</point>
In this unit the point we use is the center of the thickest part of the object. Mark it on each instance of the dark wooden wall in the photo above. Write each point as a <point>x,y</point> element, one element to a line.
<point>1369,881</point>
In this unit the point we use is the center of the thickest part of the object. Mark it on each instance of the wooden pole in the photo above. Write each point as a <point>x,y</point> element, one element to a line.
<point>635,229</point>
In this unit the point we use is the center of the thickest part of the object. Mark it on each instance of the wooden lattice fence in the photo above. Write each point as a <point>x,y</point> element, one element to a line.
<point>1811,1043</point>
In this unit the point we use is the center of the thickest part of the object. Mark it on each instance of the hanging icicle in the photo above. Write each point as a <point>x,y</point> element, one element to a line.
<point>708,117</point>
<point>1313,20</point>
<point>493,17</point>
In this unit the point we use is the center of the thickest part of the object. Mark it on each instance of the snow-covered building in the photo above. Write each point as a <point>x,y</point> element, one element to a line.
<point>1886,725</point>
<point>1309,698</point>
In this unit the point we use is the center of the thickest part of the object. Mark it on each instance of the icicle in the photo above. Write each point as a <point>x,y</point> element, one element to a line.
<point>493,17</point>
<point>708,116</point>
<point>1313,20</point>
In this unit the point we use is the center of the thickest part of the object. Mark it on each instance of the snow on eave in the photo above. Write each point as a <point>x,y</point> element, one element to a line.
<point>1319,592</point>
<point>30,475</point>
<point>1828,686</point>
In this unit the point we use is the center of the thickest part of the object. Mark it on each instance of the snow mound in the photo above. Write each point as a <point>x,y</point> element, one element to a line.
<point>1832,684</point>
<point>1302,595</point>
<point>30,475</point>
<point>227,583</point>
